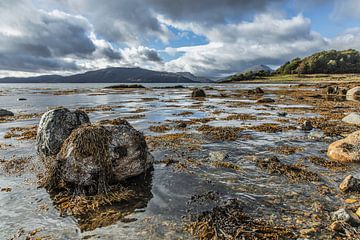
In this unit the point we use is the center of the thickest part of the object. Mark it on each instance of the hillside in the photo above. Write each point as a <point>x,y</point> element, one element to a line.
<point>327,62</point>
<point>108,75</point>
<point>255,72</point>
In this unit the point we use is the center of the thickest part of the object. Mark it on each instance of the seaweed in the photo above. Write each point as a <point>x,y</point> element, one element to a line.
<point>293,172</point>
<point>220,133</point>
<point>229,221</point>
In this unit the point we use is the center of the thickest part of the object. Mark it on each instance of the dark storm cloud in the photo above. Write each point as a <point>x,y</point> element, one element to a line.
<point>30,63</point>
<point>210,11</point>
<point>152,55</point>
<point>111,54</point>
<point>34,40</point>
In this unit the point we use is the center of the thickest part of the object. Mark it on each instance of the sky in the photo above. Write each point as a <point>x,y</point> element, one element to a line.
<point>211,38</point>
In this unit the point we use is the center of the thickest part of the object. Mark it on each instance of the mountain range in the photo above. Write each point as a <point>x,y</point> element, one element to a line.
<point>112,75</point>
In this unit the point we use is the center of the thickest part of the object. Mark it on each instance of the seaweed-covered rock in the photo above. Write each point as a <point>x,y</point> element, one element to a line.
<point>198,93</point>
<point>93,157</point>
<point>347,149</point>
<point>350,184</point>
<point>353,94</point>
<point>6,113</point>
<point>54,127</point>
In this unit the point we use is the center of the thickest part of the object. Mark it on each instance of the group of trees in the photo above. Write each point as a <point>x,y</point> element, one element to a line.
<point>250,75</point>
<point>328,62</point>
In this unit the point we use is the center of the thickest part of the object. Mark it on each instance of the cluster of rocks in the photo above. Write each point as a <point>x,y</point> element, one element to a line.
<point>344,216</point>
<point>348,148</point>
<point>335,90</point>
<point>88,158</point>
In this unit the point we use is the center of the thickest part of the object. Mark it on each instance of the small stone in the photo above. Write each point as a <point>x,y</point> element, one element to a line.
<point>350,184</point>
<point>198,93</point>
<point>265,100</point>
<point>218,156</point>
<point>282,114</point>
<point>259,90</point>
<point>306,126</point>
<point>6,113</point>
<point>337,226</point>
<point>352,118</point>
<point>182,125</point>
<point>332,90</point>
<point>358,212</point>
<point>347,216</point>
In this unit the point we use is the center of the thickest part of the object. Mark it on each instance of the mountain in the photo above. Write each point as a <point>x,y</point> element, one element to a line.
<point>108,75</point>
<point>328,62</point>
<point>194,78</point>
<point>258,68</point>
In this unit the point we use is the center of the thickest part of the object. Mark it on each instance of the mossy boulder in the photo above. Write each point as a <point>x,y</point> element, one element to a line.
<point>94,156</point>
<point>88,159</point>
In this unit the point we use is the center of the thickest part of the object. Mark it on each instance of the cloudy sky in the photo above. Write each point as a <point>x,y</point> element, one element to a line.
<point>206,37</point>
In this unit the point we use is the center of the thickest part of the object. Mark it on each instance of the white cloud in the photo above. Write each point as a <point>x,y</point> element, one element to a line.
<point>234,47</point>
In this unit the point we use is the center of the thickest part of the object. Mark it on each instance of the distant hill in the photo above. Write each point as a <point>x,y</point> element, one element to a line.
<point>252,73</point>
<point>108,75</point>
<point>331,62</point>
<point>194,78</point>
<point>258,68</point>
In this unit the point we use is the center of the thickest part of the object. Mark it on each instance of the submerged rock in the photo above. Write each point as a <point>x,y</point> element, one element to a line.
<point>352,118</point>
<point>198,93</point>
<point>347,216</point>
<point>350,184</point>
<point>54,127</point>
<point>6,113</point>
<point>347,149</point>
<point>353,94</point>
<point>218,156</point>
<point>265,100</point>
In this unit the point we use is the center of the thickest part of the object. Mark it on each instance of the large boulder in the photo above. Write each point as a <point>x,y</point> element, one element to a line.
<point>347,149</point>
<point>198,93</point>
<point>353,94</point>
<point>6,113</point>
<point>94,156</point>
<point>55,126</point>
<point>352,118</point>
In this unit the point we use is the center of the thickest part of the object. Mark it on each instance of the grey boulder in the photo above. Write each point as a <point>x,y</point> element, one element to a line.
<point>352,118</point>
<point>55,126</point>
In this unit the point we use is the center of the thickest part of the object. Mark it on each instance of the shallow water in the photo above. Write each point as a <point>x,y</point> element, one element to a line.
<point>271,195</point>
